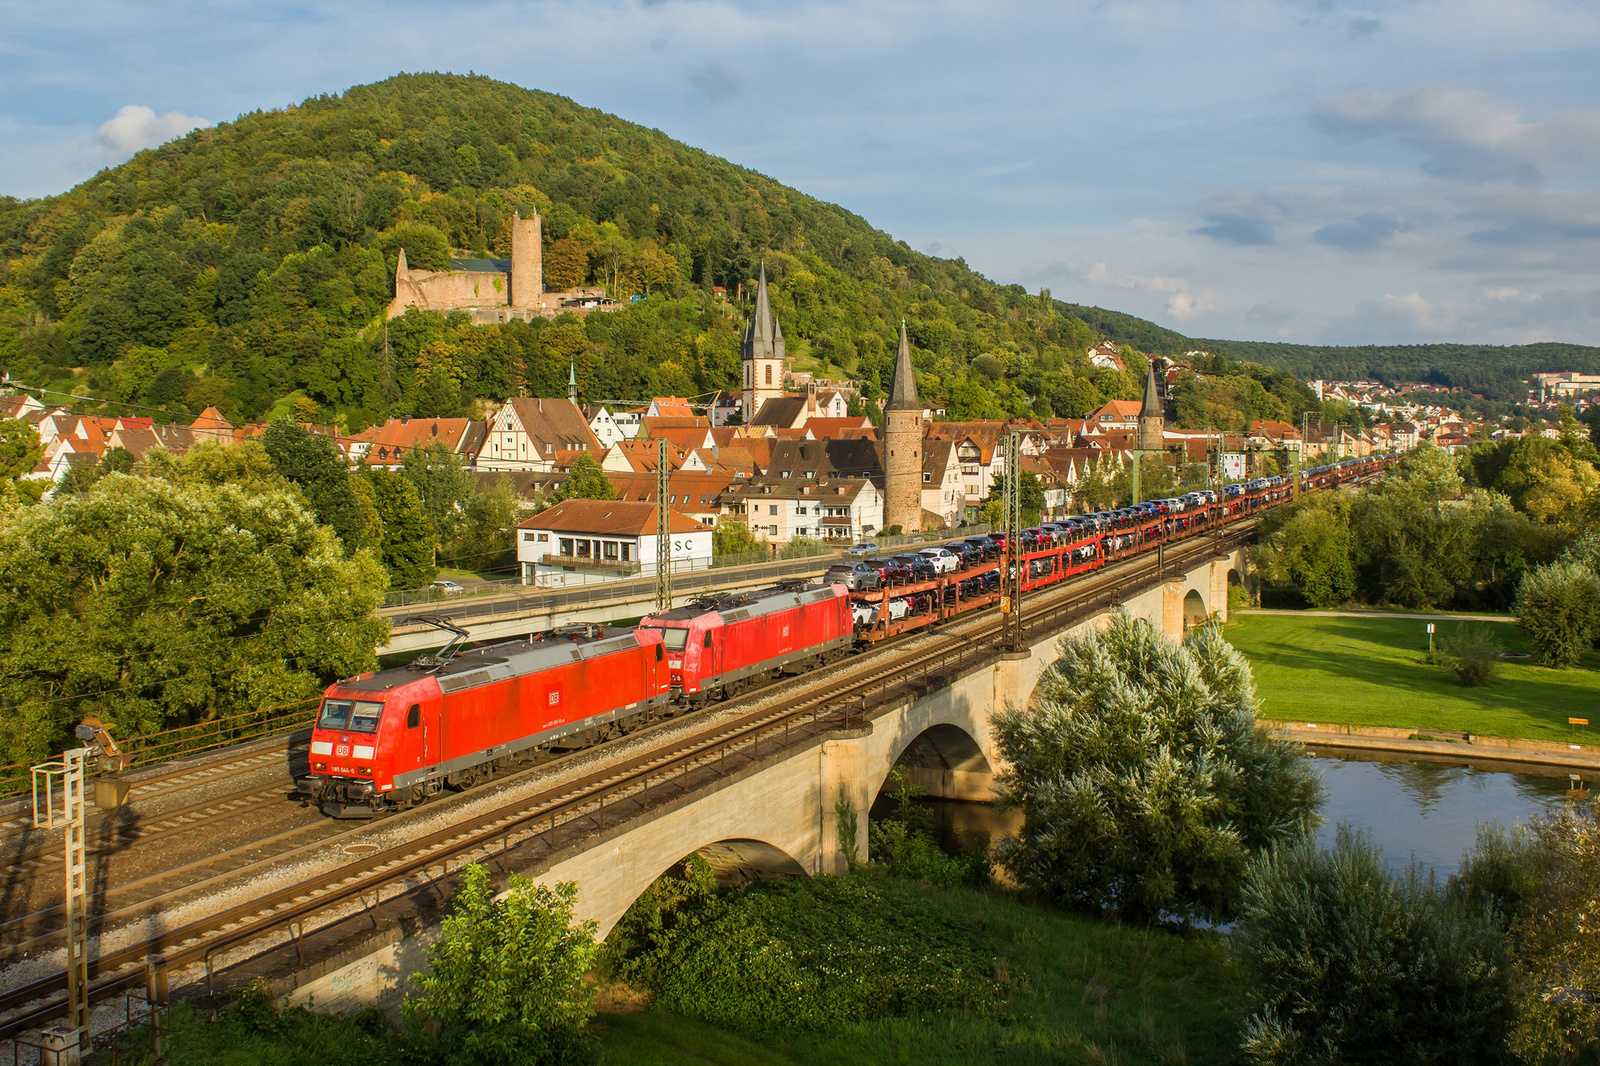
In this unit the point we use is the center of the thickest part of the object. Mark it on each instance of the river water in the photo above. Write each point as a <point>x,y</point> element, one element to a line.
<point>1422,809</point>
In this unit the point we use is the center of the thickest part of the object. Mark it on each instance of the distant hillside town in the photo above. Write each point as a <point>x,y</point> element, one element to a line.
<point>786,459</point>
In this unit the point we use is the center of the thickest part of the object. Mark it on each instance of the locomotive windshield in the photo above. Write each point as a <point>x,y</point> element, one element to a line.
<point>354,716</point>
<point>674,639</point>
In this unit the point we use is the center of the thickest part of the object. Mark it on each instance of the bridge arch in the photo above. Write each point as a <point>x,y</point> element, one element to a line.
<point>944,761</point>
<point>1194,610</point>
<point>734,861</point>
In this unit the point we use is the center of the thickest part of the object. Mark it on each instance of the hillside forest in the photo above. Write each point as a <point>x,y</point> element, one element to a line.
<point>248,266</point>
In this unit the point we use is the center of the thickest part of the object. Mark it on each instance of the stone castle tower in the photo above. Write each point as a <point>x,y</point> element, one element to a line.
<point>902,446</point>
<point>1152,417</point>
<point>762,354</point>
<point>527,260</point>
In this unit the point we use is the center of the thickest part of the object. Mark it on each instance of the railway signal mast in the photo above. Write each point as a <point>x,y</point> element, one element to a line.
<point>1011,595</point>
<point>65,776</point>
<point>663,530</point>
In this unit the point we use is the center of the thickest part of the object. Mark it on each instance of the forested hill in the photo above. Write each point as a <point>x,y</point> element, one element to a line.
<point>1496,371</point>
<point>249,265</point>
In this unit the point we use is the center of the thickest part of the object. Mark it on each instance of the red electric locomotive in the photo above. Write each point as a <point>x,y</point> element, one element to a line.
<point>720,644</point>
<point>388,740</point>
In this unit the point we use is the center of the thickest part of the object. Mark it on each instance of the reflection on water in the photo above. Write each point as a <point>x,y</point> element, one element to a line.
<point>1429,810</point>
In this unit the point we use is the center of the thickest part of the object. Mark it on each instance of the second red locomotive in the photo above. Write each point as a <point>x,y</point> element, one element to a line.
<point>719,645</point>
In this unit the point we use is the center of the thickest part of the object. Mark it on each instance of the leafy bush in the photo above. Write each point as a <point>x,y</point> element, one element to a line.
<point>506,981</point>
<point>1558,606</point>
<point>1348,963</point>
<point>803,953</point>
<point>1539,883</point>
<point>1144,782</point>
<point>902,844</point>
<point>1473,655</point>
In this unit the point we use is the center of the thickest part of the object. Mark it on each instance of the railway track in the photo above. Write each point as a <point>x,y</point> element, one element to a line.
<point>580,807</point>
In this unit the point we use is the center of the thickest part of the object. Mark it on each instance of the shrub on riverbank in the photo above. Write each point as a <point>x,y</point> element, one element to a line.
<point>1144,782</point>
<point>1348,963</point>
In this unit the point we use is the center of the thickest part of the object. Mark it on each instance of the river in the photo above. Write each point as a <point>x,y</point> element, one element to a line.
<point>1412,808</point>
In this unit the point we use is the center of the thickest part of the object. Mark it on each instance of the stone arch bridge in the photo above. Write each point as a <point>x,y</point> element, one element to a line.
<point>779,817</point>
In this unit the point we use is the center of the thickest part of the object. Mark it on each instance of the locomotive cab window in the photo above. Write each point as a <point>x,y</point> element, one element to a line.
<point>674,639</point>
<point>707,643</point>
<point>355,716</point>
<point>414,716</point>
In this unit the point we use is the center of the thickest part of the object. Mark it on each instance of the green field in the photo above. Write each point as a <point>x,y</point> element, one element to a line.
<point>1370,671</point>
<point>1083,992</point>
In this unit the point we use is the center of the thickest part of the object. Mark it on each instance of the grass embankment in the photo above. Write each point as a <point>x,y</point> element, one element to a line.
<point>1371,671</point>
<point>1074,991</point>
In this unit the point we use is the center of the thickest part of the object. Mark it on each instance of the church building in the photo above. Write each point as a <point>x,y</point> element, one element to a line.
<point>762,355</point>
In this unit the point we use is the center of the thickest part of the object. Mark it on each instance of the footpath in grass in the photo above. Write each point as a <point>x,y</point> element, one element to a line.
<point>1315,667</point>
<point>1080,992</point>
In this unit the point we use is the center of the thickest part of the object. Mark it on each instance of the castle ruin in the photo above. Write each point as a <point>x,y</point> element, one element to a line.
<point>493,290</point>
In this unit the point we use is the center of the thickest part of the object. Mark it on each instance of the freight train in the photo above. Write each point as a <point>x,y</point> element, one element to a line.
<point>389,740</point>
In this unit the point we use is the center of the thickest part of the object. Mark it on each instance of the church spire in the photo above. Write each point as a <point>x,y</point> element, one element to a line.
<point>1152,407</point>
<point>903,392</point>
<point>759,338</point>
<point>572,383</point>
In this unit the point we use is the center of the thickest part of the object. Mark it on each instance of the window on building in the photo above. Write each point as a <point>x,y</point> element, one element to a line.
<point>769,374</point>
<point>772,508</point>
<point>528,536</point>
<point>772,531</point>
<point>566,546</point>
<point>611,549</point>
<point>800,510</point>
<point>926,477</point>
<point>786,473</point>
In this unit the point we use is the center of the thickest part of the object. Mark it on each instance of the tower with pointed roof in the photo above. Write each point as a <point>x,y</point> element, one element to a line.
<point>902,446</point>
<point>762,354</point>
<point>1152,416</point>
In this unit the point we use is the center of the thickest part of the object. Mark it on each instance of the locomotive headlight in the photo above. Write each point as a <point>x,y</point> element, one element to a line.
<point>319,766</point>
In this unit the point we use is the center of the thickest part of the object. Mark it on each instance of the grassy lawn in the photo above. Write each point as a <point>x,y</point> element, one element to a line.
<point>1369,671</point>
<point>1083,993</point>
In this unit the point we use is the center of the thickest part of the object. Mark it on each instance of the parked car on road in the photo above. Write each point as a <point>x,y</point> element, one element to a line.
<point>862,549</point>
<point>857,577</point>
<point>447,587</point>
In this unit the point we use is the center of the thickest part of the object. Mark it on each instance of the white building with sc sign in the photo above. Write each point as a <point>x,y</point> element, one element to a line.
<point>605,538</point>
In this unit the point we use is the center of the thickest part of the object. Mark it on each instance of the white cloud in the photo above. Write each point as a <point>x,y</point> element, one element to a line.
<point>1183,303</point>
<point>136,127</point>
<point>1466,134</point>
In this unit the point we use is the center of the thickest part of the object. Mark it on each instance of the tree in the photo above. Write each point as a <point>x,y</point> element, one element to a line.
<point>1347,963</point>
<point>566,264</point>
<point>406,547</point>
<point>154,604</point>
<point>443,485</point>
<point>1538,882</point>
<point>585,481</point>
<point>505,981</point>
<point>19,448</point>
<point>320,471</point>
<point>1032,501</point>
<point>1311,552</point>
<point>732,536</point>
<point>1144,783</point>
<point>1558,606</point>
<point>485,537</point>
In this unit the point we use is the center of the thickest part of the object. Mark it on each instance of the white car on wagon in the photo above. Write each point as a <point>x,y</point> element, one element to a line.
<point>944,560</point>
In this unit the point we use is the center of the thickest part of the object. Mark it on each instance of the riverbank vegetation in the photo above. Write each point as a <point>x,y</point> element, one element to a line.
<point>921,957</point>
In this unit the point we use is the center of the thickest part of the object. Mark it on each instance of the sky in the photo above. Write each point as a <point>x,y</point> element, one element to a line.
<point>1316,172</point>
